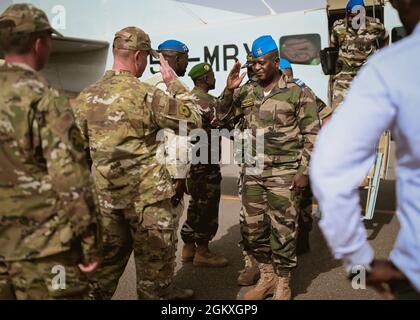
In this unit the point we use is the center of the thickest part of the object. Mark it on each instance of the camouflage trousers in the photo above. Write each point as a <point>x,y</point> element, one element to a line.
<point>270,220</point>
<point>152,235</point>
<point>203,211</point>
<point>48,278</point>
<point>341,84</point>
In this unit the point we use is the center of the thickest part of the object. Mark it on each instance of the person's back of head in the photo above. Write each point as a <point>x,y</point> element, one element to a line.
<point>409,12</point>
<point>131,48</point>
<point>26,35</point>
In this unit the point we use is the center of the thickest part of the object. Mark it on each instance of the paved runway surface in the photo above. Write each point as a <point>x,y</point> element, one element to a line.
<point>318,276</point>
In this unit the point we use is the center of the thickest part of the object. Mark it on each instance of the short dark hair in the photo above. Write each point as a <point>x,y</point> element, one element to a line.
<point>20,43</point>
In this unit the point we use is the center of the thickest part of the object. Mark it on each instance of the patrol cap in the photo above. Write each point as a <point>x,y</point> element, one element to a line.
<point>25,18</point>
<point>199,70</point>
<point>285,64</point>
<point>249,61</point>
<point>173,45</point>
<point>352,3</point>
<point>263,45</point>
<point>133,38</point>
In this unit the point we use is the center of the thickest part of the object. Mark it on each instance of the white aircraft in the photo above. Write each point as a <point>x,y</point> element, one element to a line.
<point>216,31</point>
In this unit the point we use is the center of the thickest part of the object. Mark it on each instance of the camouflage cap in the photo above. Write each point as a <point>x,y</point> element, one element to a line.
<point>133,38</point>
<point>25,18</point>
<point>200,70</point>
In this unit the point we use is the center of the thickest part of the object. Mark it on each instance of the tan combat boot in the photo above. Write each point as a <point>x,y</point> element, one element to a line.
<point>188,252</point>
<point>265,286</point>
<point>205,258</point>
<point>283,291</point>
<point>249,275</point>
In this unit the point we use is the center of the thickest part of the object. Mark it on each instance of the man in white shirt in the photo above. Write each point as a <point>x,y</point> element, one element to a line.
<point>385,95</point>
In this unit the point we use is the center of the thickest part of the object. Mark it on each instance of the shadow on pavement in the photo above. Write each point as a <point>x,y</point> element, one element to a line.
<point>215,283</point>
<point>310,265</point>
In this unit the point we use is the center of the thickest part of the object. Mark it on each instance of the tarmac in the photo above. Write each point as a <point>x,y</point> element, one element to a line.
<point>317,277</point>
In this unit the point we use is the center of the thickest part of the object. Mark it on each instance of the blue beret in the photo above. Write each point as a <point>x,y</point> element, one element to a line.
<point>285,64</point>
<point>263,45</point>
<point>173,45</point>
<point>352,3</point>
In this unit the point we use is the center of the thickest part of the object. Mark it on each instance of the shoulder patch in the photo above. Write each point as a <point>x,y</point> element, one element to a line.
<point>185,111</point>
<point>299,82</point>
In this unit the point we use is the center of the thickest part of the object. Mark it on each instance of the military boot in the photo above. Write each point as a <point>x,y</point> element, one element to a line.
<point>188,252</point>
<point>249,275</point>
<point>283,291</point>
<point>265,286</point>
<point>205,258</point>
<point>175,293</point>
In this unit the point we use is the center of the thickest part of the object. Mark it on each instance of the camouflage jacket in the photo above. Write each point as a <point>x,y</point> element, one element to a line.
<point>46,201</point>
<point>176,148</point>
<point>355,46</point>
<point>121,117</point>
<point>288,118</point>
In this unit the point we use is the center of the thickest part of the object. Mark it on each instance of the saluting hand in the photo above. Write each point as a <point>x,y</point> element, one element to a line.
<point>234,79</point>
<point>168,74</point>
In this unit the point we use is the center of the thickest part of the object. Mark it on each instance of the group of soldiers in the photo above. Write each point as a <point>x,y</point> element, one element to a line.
<point>84,184</point>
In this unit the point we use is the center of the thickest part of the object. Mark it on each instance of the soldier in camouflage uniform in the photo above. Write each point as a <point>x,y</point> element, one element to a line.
<point>121,117</point>
<point>356,44</point>
<point>288,117</point>
<point>204,180</point>
<point>47,207</point>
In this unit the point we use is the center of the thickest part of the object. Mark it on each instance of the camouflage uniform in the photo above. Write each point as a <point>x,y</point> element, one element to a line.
<point>355,47</point>
<point>122,117</point>
<point>47,205</point>
<point>289,118</point>
<point>176,147</point>
<point>305,216</point>
<point>203,183</point>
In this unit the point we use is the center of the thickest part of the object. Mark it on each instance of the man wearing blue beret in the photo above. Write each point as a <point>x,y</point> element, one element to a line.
<point>286,117</point>
<point>357,37</point>
<point>176,147</point>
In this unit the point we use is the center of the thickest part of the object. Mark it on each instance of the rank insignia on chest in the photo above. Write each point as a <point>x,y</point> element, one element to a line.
<point>248,103</point>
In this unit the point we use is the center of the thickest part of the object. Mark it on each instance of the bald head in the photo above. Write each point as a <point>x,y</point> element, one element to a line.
<point>129,60</point>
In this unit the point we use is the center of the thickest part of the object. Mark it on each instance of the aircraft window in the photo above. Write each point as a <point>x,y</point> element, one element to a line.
<point>397,34</point>
<point>301,48</point>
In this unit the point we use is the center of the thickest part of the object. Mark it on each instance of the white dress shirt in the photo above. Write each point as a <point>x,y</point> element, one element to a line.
<point>385,94</point>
